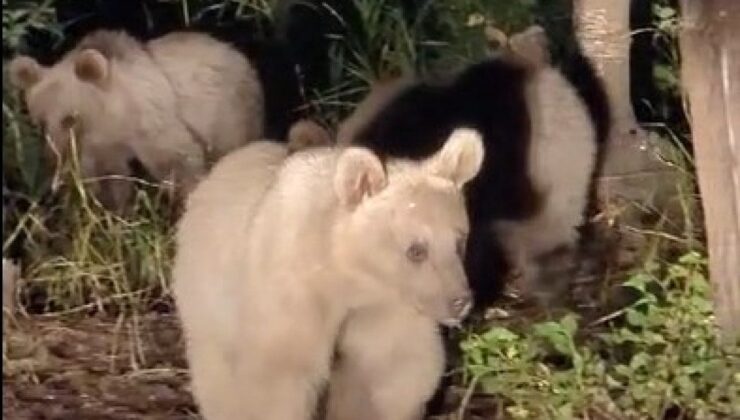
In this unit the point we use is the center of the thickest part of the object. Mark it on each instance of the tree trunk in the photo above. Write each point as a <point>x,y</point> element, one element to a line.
<point>710,48</point>
<point>603,29</point>
<point>634,177</point>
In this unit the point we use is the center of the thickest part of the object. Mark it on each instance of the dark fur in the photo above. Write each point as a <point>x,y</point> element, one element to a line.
<point>488,96</point>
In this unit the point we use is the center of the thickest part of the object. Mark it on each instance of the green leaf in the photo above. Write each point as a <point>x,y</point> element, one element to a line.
<point>664,12</point>
<point>499,335</point>
<point>613,383</point>
<point>640,360</point>
<point>623,370</point>
<point>638,282</point>
<point>570,324</point>
<point>636,318</point>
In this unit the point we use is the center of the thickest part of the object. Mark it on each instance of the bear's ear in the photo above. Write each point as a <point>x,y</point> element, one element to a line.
<point>306,133</point>
<point>25,72</point>
<point>359,175</point>
<point>91,66</point>
<point>460,158</point>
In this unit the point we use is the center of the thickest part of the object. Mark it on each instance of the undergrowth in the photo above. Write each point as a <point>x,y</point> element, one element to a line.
<point>78,256</point>
<point>656,358</point>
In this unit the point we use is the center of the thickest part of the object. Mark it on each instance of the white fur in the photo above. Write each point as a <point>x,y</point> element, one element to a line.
<point>207,270</point>
<point>273,259</point>
<point>562,156</point>
<point>388,357</point>
<point>462,156</point>
<point>531,47</point>
<point>173,103</point>
<point>223,100</point>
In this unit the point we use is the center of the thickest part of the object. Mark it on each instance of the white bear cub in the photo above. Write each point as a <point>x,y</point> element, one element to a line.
<point>174,103</point>
<point>284,260</point>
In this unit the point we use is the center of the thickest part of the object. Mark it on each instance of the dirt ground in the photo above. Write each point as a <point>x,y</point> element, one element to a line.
<point>92,368</point>
<point>107,369</point>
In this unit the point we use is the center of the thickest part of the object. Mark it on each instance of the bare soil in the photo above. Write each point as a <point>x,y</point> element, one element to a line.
<point>100,369</point>
<point>93,368</point>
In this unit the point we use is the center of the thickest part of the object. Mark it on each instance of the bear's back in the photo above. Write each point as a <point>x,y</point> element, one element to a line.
<point>293,224</point>
<point>218,90</point>
<point>218,213</point>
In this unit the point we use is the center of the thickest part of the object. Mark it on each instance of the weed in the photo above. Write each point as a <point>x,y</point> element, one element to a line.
<point>659,356</point>
<point>80,256</point>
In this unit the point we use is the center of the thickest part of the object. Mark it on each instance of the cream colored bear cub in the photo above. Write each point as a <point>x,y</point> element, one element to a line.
<point>281,260</point>
<point>173,103</point>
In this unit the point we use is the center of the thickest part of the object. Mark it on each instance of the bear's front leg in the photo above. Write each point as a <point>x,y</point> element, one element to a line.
<point>282,357</point>
<point>390,361</point>
<point>214,384</point>
<point>175,159</point>
<point>107,176</point>
<point>269,373</point>
<point>118,183</point>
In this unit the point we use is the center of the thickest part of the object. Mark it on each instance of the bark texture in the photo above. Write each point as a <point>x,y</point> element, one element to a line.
<point>710,47</point>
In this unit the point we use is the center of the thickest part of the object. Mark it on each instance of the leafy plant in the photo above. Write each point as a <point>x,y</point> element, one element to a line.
<point>21,16</point>
<point>660,357</point>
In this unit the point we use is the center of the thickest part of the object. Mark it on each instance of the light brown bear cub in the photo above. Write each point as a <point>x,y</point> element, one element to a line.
<point>173,103</point>
<point>281,260</point>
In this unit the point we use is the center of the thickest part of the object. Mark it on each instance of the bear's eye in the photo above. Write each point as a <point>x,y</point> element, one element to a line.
<point>460,246</point>
<point>68,122</point>
<point>417,252</point>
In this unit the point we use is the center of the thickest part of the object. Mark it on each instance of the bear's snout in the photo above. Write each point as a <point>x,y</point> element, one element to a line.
<point>458,308</point>
<point>461,305</point>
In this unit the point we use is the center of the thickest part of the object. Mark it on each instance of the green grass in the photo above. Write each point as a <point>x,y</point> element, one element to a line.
<point>387,42</point>
<point>79,256</point>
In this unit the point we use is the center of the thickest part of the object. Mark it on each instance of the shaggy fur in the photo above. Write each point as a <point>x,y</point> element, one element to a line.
<point>544,138</point>
<point>359,254</point>
<point>175,104</point>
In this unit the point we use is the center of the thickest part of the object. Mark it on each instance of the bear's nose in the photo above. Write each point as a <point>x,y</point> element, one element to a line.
<point>461,306</point>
